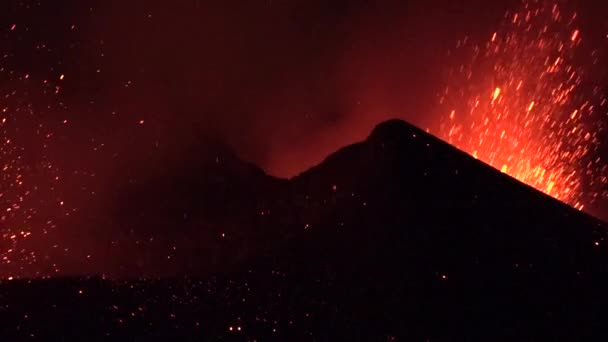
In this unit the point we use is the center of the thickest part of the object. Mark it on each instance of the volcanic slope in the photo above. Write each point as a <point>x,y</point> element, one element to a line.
<point>420,237</point>
<point>398,237</point>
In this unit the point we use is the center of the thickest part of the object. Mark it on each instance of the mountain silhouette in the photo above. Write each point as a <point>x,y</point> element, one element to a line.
<point>398,237</point>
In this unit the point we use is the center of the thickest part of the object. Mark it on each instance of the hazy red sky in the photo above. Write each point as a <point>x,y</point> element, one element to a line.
<point>147,84</point>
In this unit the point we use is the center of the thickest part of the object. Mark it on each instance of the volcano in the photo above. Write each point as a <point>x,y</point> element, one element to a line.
<point>398,237</point>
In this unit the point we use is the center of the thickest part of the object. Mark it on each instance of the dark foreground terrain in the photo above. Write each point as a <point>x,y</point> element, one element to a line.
<point>397,238</point>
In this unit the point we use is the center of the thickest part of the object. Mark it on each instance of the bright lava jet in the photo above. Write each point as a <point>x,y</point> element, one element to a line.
<point>522,103</point>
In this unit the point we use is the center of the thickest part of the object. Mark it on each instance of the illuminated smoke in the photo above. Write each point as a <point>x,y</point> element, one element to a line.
<point>515,103</point>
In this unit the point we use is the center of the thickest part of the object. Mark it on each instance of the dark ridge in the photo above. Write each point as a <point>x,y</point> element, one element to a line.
<point>396,238</point>
<point>393,130</point>
<point>188,205</point>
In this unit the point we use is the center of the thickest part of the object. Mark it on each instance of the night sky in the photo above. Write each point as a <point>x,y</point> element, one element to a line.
<point>102,94</point>
<point>273,79</point>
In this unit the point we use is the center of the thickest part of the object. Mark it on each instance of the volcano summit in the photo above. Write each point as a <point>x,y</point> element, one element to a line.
<point>398,237</point>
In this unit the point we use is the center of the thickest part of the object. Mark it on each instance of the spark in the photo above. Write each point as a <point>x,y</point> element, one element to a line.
<point>495,94</point>
<point>533,124</point>
<point>28,185</point>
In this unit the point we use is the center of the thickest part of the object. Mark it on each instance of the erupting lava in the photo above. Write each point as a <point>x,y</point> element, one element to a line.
<point>516,104</point>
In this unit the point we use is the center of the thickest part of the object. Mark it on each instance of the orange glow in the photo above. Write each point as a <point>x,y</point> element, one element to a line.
<point>495,94</point>
<point>533,125</point>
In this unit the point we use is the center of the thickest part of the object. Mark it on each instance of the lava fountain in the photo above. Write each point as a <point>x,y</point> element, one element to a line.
<point>515,103</point>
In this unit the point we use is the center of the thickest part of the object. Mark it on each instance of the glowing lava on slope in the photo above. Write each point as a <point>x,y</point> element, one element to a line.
<point>515,103</point>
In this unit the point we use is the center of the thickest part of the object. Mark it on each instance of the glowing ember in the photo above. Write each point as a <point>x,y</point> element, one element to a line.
<point>28,178</point>
<point>515,104</point>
